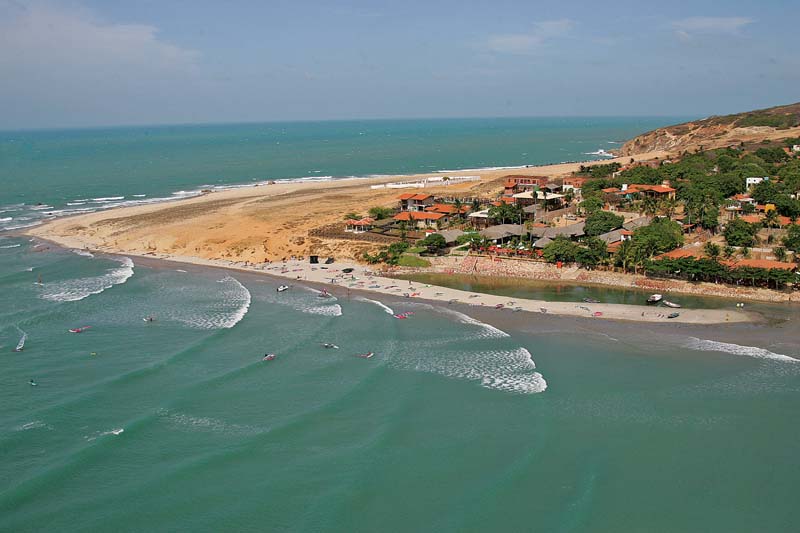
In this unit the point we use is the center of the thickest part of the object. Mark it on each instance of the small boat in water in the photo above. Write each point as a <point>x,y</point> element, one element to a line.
<point>591,301</point>
<point>80,329</point>
<point>269,357</point>
<point>367,355</point>
<point>673,315</point>
<point>21,343</point>
<point>330,346</point>
<point>671,304</point>
<point>283,288</point>
<point>654,298</point>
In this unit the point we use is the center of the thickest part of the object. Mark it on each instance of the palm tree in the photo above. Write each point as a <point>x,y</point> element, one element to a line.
<point>458,205</point>
<point>712,250</point>
<point>728,251</point>
<point>780,253</point>
<point>650,206</point>
<point>771,219</point>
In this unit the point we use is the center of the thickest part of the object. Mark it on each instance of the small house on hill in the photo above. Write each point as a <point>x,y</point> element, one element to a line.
<point>415,201</point>
<point>421,219</point>
<point>358,226</point>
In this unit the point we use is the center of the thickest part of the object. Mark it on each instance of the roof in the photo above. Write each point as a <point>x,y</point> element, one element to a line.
<point>414,196</point>
<point>761,263</point>
<point>417,215</point>
<point>503,230</point>
<point>611,236</point>
<point>610,190</point>
<point>361,222</point>
<point>449,209</point>
<point>451,235</point>
<point>637,223</point>
<point>541,243</point>
<point>743,197</point>
<point>479,214</point>
<point>680,253</point>
<point>573,230</point>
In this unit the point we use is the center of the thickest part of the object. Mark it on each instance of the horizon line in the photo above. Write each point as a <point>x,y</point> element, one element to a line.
<point>304,121</point>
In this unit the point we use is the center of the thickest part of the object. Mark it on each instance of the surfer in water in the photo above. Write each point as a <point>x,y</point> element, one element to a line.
<point>150,318</point>
<point>32,383</point>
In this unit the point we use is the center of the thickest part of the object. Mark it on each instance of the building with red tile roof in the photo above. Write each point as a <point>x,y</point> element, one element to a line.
<point>422,219</point>
<point>415,201</point>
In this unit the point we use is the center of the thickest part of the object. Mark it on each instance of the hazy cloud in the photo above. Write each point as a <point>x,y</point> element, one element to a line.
<point>686,28</point>
<point>527,43</point>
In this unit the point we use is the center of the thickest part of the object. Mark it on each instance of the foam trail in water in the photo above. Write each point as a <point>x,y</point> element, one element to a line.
<point>376,302</point>
<point>505,370</point>
<point>325,310</point>
<point>693,343</point>
<point>83,253</point>
<point>488,330</point>
<point>10,246</point>
<point>77,289</point>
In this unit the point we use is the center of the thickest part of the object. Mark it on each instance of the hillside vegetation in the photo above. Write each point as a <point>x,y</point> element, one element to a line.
<point>770,124</point>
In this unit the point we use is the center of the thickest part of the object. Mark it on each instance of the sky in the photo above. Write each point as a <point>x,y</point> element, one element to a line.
<point>84,63</point>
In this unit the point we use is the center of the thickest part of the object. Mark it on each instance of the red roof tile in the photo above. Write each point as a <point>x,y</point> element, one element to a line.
<point>417,215</point>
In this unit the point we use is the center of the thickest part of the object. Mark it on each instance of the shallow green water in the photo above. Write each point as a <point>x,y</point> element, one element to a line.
<point>464,420</point>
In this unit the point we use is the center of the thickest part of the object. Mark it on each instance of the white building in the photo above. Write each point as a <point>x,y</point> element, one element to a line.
<point>752,182</point>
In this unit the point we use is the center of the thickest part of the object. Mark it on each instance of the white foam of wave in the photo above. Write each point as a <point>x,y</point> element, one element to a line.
<point>600,152</point>
<point>488,331</point>
<point>482,169</point>
<point>41,207</point>
<point>138,195</point>
<point>74,290</point>
<point>376,302</point>
<point>21,226</point>
<point>108,199</point>
<point>115,432</point>
<point>83,253</point>
<point>705,345</point>
<point>6,219</point>
<point>36,424</point>
<point>206,424</point>
<point>503,370</point>
<point>225,311</point>
<point>11,246</point>
<point>71,204</point>
<point>324,310</point>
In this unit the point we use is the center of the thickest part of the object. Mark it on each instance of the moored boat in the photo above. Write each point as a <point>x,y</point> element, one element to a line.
<point>673,315</point>
<point>672,304</point>
<point>654,298</point>
<point>269,357</point>
<point>591,301</point>
<point>283,288</point>
<point>367,355</point>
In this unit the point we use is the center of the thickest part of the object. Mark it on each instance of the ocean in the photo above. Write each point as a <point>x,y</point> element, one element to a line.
<point>465,419</point>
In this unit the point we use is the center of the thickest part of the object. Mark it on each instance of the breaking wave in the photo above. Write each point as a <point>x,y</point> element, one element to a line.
<point>705,345</point>
<point>77,289</point>
<point>225,311</point>
<point>83,253</point>
<point>376,302</point>
<point>325,310</point>
<point>504,370</point>
<point>10,246</point>
<point>487,331</point>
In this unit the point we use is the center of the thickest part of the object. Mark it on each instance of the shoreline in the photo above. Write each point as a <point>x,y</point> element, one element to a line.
<point>367,281</point>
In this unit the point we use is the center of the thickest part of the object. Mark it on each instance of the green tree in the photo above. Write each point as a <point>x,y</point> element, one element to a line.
<point>591,204</point>
<point>792,238</point>
<point>740,233</point>
<point>351,216</point>
<point>506,213</point>
<point>712,250</point>
<point>780,253</point>
<point>433,242</point>
<point>601,222</point>
<point>728,251</point>
<point>771,219</point>
<point>379,213</point>
<point>561,249</point>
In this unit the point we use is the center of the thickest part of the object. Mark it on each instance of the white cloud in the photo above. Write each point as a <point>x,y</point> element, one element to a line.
<point>59,60</point>
<point>532,42</point>
<point>686,28</point>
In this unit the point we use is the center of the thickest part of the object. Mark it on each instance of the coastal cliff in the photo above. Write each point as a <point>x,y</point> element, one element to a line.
<point>717,131</point>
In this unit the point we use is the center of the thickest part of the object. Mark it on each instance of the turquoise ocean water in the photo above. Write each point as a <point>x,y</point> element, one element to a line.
<point>465,419</point>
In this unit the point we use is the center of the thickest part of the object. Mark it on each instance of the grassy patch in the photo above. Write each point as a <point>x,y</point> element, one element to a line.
<point>412,261</point>
<point>416,249</point>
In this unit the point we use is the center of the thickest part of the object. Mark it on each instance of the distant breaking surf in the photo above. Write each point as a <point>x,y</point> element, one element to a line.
<point>705,345</point>
<point>74,290</point>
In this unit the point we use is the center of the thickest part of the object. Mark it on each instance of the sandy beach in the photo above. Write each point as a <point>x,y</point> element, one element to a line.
<point>260,228</point>
<point>267,222</point>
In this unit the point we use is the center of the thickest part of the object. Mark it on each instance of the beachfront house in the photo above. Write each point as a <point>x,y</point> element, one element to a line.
<point>448,209</point>
<point>515,184</point>
<point>503,232</point>
<point>415,201</point>
<point>358,226</point>
<point>479,219</point>
<point>422,219</point>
